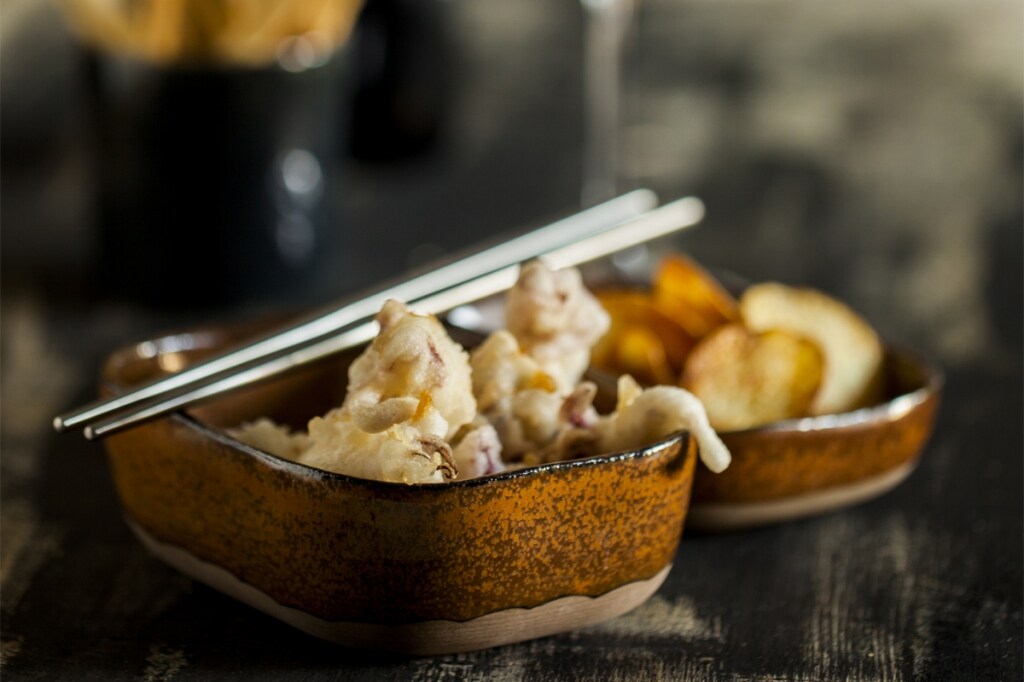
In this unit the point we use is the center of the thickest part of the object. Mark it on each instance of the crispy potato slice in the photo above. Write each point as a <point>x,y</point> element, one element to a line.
<point>636,350</point>
<point>852,350</point>
<point>642,341</point>
<point>747,379</point>
<point>641,353</point>
<point>693,298</point>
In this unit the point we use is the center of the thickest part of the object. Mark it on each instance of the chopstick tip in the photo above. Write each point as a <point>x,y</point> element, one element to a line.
<point>58,424</point>
<point>695,206</point>
<point>649,196</point>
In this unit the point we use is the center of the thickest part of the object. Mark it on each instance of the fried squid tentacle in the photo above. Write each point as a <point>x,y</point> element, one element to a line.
<point>645,416</point>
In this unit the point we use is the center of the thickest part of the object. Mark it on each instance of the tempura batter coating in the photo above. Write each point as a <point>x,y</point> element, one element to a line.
<point>274,438</point>
<point>411,355</point>
<point>412,451</point>
<point>556,321</point>
<point>408,392</point>
<point>519,399</point>
<point>477,452</point>
<point>515,395</point>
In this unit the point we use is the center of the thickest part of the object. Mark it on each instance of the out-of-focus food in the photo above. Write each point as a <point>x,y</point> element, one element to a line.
<point>247,32</point>
<point>852,350</point>
<point>746,379</point>
<point>804,467</point>
<point>692,297</point>
<point>276,438</point>
<point>419,409</point>
<point>643,341</point>
<point>653,332</point>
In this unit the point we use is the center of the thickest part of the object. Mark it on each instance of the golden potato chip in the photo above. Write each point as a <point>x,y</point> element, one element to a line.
<point>642,354</point>
<point>853,353</point>
<point>630,310</point>
<point>693,298</point>
<point>636,350</point>
<point>747,379</point>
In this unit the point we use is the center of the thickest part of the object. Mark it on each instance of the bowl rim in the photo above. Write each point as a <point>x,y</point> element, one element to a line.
<point>887,411</point>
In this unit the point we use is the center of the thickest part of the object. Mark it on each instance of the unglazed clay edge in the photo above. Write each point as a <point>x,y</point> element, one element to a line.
<point>425,638</point>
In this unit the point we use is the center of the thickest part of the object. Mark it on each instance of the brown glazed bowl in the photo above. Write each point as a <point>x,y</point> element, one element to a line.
<point>801,467</point>
<point>418,569</point>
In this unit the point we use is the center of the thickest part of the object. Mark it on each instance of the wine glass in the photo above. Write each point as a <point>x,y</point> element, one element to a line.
<point>605,26</point>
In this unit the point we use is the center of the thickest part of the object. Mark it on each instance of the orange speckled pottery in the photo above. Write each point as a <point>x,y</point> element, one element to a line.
<point>418,569</point>
<point>800,467</point>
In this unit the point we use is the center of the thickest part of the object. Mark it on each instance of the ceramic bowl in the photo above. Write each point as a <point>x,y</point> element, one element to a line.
<point>801,467</point>
<point>418,569</point>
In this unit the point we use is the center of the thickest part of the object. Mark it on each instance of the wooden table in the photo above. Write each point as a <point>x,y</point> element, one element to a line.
<point>894,185</point>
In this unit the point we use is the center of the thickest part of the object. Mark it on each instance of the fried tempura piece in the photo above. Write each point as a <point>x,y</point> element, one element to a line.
<point>746,379</point>
<point>270,437</point>
<point>408,392</point>
<point>477,450</point>
<point>501,369</point>
<point>410,411</point>
<point>577,419</point>
<point>413,451</point>
<point>556,321</point>
<point>411,355</point>
<point>520,400</point>
<point>853,352</point>
<point>645,416</point>
<point>515,395</point>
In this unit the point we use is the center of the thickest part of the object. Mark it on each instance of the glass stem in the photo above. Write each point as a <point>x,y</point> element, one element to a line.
<point>605,24</point>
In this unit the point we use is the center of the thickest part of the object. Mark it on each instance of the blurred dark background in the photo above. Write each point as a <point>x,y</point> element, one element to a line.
<point>809,131</point>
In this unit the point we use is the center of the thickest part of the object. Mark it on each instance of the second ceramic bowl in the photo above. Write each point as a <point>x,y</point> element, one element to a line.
<point>801,467</point>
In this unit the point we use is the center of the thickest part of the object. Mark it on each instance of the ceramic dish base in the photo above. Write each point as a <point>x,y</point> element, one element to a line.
<point>425,638</point>
<point>722,516</point>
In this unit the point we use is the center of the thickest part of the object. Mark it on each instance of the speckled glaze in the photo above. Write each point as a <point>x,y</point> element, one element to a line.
<point>346,549</point>
<point>804,457</point>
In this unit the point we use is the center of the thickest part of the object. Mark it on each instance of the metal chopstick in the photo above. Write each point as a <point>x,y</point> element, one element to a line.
<point>516,250</point>
<point>657,223</point>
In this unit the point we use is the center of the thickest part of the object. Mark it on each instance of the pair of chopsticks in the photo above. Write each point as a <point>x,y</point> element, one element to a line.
<point>597,232</point>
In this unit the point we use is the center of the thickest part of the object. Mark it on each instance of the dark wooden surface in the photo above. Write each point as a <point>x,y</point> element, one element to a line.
<point>873,152</point>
